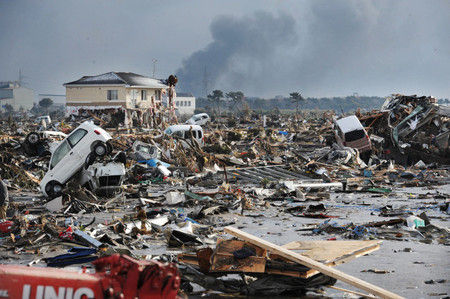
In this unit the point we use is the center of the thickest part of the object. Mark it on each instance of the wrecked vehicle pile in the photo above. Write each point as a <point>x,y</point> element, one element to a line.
<point>144,201</point>
<point>413,126</point>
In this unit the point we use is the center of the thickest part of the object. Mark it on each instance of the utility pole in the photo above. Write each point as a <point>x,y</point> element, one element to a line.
<point>154,60</point>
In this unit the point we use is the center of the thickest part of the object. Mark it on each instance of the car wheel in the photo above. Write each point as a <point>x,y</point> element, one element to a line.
<point>53,189</point>
<point>100,149</point>
<point>89,160</point>
<point>32,138</point>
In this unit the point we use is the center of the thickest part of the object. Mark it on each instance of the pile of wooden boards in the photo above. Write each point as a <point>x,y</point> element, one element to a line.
<point>251,255</point>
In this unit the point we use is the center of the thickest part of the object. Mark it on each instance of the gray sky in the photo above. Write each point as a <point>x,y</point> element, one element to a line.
<point>264,48</point>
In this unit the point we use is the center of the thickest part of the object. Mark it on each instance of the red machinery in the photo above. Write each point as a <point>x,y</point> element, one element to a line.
<point>116,276</point>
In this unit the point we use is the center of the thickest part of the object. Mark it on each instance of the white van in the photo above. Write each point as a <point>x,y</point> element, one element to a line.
<point>349,132</point>
<point>185,132</point>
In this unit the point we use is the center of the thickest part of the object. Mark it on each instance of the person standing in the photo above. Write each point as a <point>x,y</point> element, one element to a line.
<point>4,199</point>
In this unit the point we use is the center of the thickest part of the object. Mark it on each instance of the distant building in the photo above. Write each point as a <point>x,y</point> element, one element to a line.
<point>17,96</point>
<point>185,104</point>
<point>113,90</point>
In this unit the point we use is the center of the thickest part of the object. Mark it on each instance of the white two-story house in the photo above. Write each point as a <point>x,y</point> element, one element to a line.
<point>113,90</point>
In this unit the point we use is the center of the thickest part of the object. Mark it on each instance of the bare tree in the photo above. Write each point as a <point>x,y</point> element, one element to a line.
<point>296,98</point>
<point>237,98</point>
<point>216,97</point>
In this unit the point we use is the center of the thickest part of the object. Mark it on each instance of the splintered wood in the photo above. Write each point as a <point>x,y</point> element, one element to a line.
<point>223,258</point>
<point>306,261</point>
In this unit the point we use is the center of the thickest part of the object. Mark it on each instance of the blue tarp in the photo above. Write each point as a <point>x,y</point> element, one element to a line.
<point>154,162</point>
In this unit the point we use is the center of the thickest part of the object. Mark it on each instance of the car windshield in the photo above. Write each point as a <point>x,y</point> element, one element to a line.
<point>354,135</point>
<point>59,153</point>
<point>76,136</point>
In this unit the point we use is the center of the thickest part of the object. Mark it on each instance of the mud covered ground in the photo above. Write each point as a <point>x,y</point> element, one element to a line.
<point>414,265</point>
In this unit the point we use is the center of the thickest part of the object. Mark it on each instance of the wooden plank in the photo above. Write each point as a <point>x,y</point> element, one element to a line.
<point>228,263</point>
<point>298,258</point>
<point>32,177</point>
<point>228,246</point>
<point>339,260</point>
<point>186,258</point>
<point>333,253</point>
<point>329,251</point>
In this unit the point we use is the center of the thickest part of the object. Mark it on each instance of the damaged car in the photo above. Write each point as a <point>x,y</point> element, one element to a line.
<point>186,133</point>
<point>41,143</point>
<point>70,155</point>
<point>104,178</point>
<point>199,119</point>
<point>144,151</point>
<point>350,132</point>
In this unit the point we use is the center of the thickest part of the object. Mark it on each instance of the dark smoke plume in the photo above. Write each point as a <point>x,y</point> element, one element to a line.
<point>240,47</point>
<point>331,48</point>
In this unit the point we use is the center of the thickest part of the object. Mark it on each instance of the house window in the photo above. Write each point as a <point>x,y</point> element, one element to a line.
<point>143,95</point>
<point>181,103</point>
<point>186,103</point>
<point>112,95</point>
<point>177,103</point>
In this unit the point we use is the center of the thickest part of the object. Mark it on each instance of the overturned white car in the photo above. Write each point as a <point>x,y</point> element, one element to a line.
<point>199,119</point>
<point>70,156</point>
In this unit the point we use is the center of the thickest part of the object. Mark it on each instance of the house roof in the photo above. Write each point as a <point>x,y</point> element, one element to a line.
<point>119,78</point>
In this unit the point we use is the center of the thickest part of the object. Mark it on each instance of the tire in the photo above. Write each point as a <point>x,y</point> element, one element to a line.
<point>53,189</point>
<point>32,138</point>
<point>89,160</point>
<point>100,149</point>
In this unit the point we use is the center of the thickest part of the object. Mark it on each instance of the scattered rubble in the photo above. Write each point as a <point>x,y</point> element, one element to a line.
<point>80,192</point>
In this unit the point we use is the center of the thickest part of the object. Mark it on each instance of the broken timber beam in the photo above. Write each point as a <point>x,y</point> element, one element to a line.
<point>298,258</point>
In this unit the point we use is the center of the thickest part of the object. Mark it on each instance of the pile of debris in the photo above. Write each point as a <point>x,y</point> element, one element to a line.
<point>413,126</point>
<point>82,194</point>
